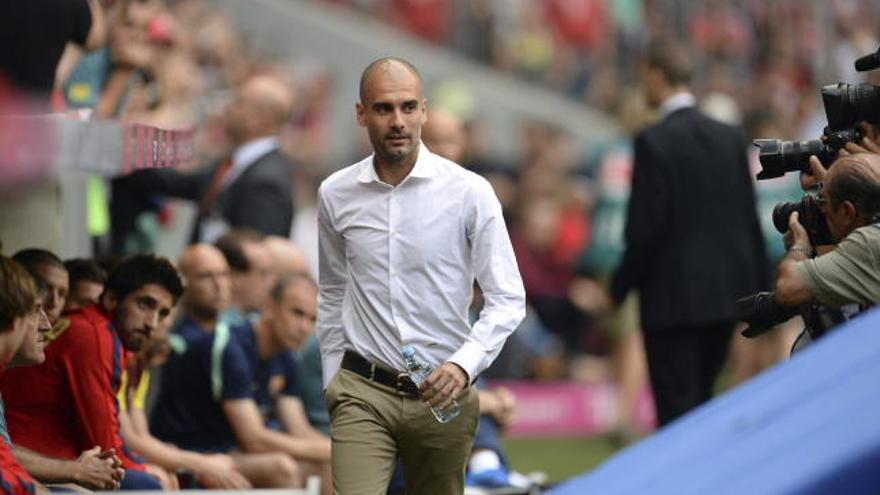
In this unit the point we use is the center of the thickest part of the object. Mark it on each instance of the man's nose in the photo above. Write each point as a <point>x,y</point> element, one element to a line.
<point>43,323</point>
<point>152,322</point>
<point>397,121</point>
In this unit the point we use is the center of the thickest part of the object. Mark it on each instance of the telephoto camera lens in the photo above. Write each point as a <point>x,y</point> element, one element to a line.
<point>778,157</point>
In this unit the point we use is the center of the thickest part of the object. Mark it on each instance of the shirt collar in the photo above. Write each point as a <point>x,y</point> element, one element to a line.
<point>423,169</point>
<point>250,151</point>
<point>685,99</point>
<point>247,154</point>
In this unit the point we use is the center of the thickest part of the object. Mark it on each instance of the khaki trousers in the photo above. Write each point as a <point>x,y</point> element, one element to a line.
<point>371,425</point>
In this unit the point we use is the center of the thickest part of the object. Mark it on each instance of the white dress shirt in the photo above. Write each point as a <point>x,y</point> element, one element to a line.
<point>684,99</point>
<point>397,267</point>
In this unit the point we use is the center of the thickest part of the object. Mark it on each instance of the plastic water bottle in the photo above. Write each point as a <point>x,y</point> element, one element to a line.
<point>419,370</point>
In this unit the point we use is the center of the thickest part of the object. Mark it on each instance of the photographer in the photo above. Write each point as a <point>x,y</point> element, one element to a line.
<point>850,273</point>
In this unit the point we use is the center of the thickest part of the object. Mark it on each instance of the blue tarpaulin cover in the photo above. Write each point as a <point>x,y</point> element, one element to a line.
<point>810,425</point>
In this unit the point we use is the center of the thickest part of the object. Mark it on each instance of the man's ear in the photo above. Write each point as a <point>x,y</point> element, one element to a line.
<point>360,113</point>
<point>849,209</point>
<point>424,106</point>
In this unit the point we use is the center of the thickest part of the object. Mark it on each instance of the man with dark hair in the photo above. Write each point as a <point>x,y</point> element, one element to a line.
<point>250,262</point>
<point>47,269</point>
<point>849,274</point>
<point>403,236</point>
<point>68,404</point>
<point>694,243</point>
<point>87,280</point>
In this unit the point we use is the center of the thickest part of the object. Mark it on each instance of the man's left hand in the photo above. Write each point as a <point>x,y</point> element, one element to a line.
<point>796,235</point>
<point>444,385</point>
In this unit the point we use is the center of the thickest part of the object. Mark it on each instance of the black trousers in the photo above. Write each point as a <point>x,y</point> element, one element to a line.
<point>683,364</point>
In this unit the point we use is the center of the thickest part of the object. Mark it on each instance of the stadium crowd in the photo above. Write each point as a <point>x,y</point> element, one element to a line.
<point>127,370</point>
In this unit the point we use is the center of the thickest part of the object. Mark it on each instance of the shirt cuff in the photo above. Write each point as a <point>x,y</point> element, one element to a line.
<point>470,358</point>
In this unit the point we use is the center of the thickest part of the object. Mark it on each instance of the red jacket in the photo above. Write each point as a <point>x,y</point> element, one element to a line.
<point>68,404</point>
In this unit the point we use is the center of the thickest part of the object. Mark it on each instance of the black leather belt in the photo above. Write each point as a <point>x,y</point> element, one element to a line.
<point>398,381</point>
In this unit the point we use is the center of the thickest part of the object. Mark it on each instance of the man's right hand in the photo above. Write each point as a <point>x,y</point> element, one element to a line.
<point>98,470</point>
<point>218,471</point>
<point>815,176</point>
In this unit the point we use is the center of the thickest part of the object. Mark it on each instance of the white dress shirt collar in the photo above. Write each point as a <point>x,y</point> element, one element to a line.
<point>423,169</point>
<point>247,154</point>
<point>685,99</point>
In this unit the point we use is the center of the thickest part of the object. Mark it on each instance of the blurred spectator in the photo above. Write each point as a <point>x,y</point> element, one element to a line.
<point>68,404</point>
<point>287,257</point>
<point>198,373</point>
<point>34,35</point>
<point>215,380</point>
<point>251,188</point>
<point>428,19</point>
<point>547,278</point>
<point>444,134</point>
<point>693,238</point>
<point>210,471</point>
<point>250,262</point>
<point>87,280</point>
<point>271,370</point>
<point>48,270</point>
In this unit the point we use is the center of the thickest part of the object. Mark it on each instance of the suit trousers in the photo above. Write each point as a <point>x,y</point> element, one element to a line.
<point>683,364</point>
<point>371,425</point>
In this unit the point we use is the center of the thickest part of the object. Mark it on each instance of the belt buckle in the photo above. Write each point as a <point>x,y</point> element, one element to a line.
<point>400,383</point>
<point>372,371</point>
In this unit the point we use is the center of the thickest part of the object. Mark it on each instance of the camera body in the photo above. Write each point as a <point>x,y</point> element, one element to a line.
<point>809,215</point>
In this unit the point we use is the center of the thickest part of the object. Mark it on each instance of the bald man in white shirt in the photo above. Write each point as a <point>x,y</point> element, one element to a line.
<point>403,234</point>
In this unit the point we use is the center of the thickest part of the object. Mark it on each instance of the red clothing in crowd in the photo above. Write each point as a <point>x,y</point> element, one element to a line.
<point>14,480</point>
<point>68,404</point>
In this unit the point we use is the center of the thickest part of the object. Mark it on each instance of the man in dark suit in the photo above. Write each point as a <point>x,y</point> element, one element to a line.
<point>694,244</point>
<point>252,188</point>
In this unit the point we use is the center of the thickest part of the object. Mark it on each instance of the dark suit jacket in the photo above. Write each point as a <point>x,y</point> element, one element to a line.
<point>260,198</point>
<point>694,244</point>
